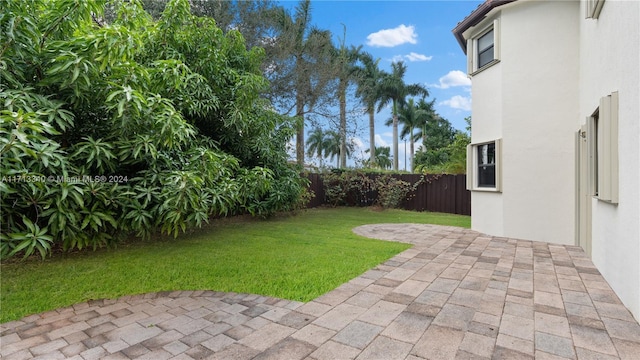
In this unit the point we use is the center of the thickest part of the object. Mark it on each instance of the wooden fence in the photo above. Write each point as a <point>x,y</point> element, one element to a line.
<point>437,193</point>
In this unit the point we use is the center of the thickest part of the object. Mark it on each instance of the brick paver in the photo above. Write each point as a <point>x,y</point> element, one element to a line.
<point>456,294</point>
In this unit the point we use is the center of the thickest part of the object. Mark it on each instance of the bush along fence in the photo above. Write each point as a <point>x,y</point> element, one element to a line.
<point>439,193</point>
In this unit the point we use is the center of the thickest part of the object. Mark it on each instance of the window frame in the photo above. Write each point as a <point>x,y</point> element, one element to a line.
<point>482,167</point>
<point>482,50</point>
<point>602,142</point>
<point>473,166</point>
<point>474,51</point>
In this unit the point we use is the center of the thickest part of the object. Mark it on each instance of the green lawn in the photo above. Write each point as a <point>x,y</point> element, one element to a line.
<point>293,257</point>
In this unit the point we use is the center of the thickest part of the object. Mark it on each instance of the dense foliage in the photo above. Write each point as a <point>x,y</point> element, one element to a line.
<point>444,148</point>
<point>357,188</point>
<point>131,125</point>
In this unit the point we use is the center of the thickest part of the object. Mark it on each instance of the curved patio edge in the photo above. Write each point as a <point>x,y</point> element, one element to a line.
<point>410,233</point>
<point>455,294</point>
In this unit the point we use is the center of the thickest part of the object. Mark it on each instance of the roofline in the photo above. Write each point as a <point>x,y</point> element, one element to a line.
<point>474,18</point>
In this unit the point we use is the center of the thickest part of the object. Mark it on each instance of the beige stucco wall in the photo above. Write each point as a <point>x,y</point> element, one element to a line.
<point>610,61</point>
<point>486,207</point>
<point>540,97</point>
<point>530,100</point>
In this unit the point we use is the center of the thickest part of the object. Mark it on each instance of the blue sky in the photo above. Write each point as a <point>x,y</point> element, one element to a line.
<point>417,32</point>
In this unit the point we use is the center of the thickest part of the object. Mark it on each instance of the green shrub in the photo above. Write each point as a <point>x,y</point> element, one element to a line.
<point>356,188</point>
<point>351,188</point>
<point>392,192</point>
<point>130,127</point>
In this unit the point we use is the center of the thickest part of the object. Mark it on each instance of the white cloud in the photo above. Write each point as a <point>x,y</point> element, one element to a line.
<point>411,57</point>
<point>452,79</point>
<point>393,37</point>
<point>458,102</point>
<point>380,142</point>
<point>359,144</point>
<point>417,57</point>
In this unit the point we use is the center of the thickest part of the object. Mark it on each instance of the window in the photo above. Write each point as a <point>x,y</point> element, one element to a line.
<point>593,8</point>
<point>487,165</point>
<point>483,166</point>
<point>483,49</point>
<point>603,149</point>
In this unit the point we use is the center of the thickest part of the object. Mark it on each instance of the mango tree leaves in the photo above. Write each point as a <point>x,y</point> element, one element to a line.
<point>130,127</point>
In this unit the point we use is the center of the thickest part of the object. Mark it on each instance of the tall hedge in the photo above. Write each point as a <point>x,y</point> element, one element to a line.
<point>131,126</point>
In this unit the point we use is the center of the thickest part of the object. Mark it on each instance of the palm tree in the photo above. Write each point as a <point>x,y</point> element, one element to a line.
<point>369,79</point>
<point>307,49</point>
<point>332,146</point>
<point>315,143</point>
<point>344,63</point>
<point>430,118</point>
<point>326,144</point>
<point>411,117</point>
<point>436,132</point>
<point>381,157</point>
<point>394,90</point>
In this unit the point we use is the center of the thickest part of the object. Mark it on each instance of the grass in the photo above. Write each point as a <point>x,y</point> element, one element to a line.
<point>294,257</point>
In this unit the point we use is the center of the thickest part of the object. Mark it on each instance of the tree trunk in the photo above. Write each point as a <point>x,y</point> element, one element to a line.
<point>395,141</point>
<point>342,90</point>
<point>411,151</point>
<point>372,138</point>
<point>394,112</point>
<point>300,132</point>
<point>424,135</point>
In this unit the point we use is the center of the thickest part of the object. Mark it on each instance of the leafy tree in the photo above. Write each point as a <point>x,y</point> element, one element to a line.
<point>130,126</point>
<point>437,134</point>
<point>252,18</point>
<point>153,7</point>
<point>301,69</point>
<point>457,163</point>
<point>395,91</point>
<point>451,155</point>
<point>369,83</point>
<point>437,131</point>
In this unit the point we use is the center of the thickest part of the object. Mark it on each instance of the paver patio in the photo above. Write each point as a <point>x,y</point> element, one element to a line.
<point>456,294</point>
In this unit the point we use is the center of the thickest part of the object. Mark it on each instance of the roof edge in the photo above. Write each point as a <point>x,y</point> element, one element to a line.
<point>474,18</point>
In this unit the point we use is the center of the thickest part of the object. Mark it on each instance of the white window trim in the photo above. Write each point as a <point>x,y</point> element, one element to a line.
<point>603,150</point>
<point>593,8</point>
<point>472,164</point>
<point>472,49</point>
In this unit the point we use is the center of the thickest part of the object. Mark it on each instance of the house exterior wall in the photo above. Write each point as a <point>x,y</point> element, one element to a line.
<point>555,67</point>
<point>610,61</point>
<point>486,207</point>
<point>529,99</point>
<point>540,73</point>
